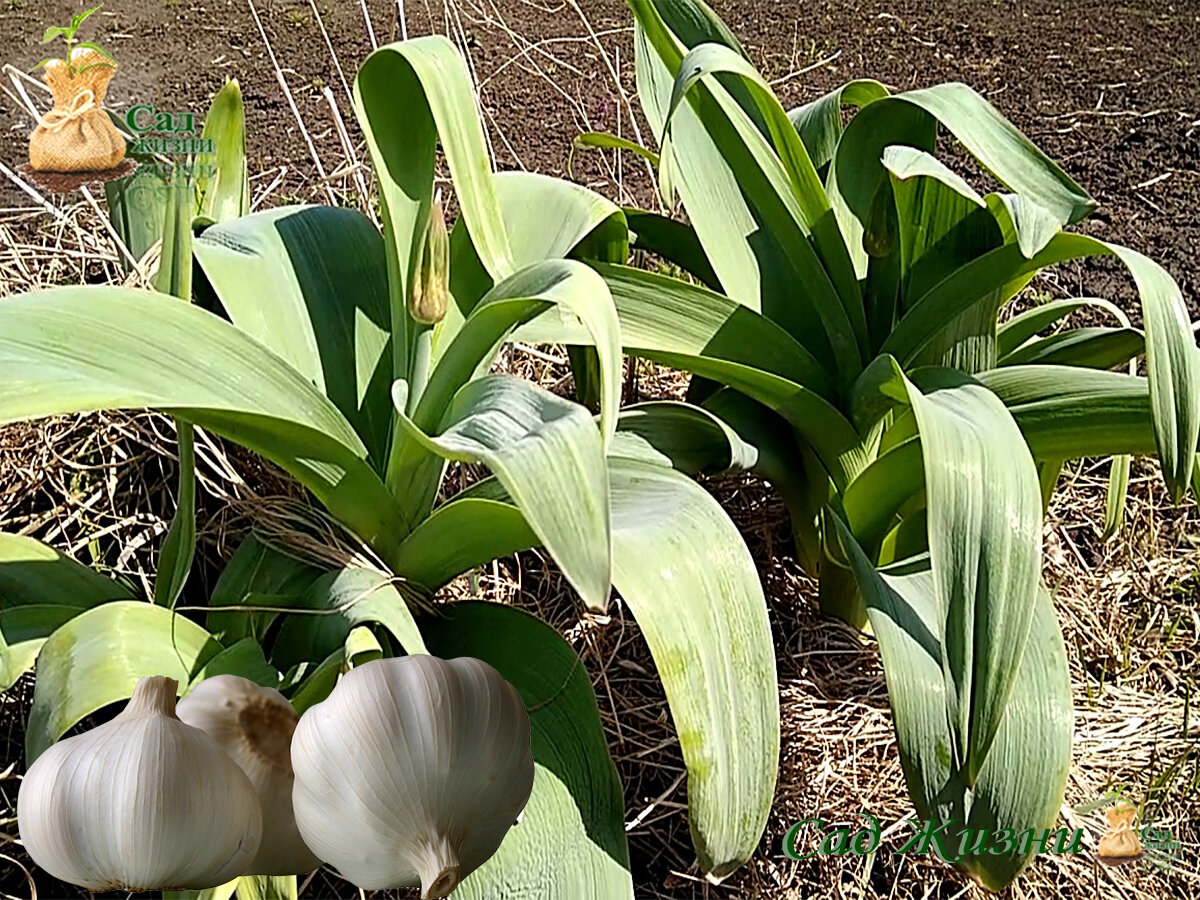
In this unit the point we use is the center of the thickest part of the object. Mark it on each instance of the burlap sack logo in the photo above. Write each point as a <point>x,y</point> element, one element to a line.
<point>1120,843</point>
<point>77,136</point>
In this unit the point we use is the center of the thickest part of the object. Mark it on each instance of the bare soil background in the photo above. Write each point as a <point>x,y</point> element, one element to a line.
<point>1110,90</point>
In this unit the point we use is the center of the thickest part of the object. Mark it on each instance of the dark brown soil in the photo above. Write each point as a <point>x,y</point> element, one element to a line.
<point>1110,90</point>
<point>68,182</point>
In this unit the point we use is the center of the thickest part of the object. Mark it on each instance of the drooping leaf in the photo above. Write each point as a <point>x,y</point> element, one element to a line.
<point>984,529</point>
<point>1010,156</point>
<point>685,573</point>
<point>81,349</point>
<point>1021,783</point>
<point>1172,361</point>
<point>1093,347</point>
<point>1066,412</point>
<point>570,842</point>
<point>682,325</point>
<point>98,657</point>
<point>1020,328</point>
<point>820,122</point>
<point>604,140</point>
<point>407,96</point>
<point>549,455</point>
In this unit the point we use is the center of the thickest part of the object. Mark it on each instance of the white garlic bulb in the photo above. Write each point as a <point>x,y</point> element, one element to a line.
<point>254,726</point>
<point>143,802</point>
<point>412,771</point>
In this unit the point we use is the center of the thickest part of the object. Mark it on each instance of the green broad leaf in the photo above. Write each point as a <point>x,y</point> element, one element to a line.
<point>221,892</point>
<point>1021,783</point>
<point>407,96</point>
<point>546,219</point>
<point>459,535</point>
<point>941,225</point>
<point>683,569</point>
<point>23,630</point>
<point>1068,412</point>
<point>604,140</point>
<point>741,197</point>
<point>223,193</point>
<point>56,31</point>
<point>41,589</point>
<point>673,241</point>
<point>685,573</point>
<point>681,325</point>
<point>549,455</point>
<point>1093,348</point>
<point>79,18</point>
<point>820,124</point>
<point>1010,156</point>
<point>244,659</point>
<point>789,465</point>
<point>98,657</point>
<point>664,317</point>
<point>179,546</point>
<point>566,289</point>
<point>338,601</point>
<point>1024,221</point>
<point>709,59</point>
<point>72,350</point>
<point>256,570</point>
<point>310,283</point>
<point>570,841</point>
<point>1114,501</point>
<point>1172,362</point>
<point>680,436</point>
<point>873,500</point>
<point>1020,328</point>
<point>266,887</point>
<point>33,573</point>
<point>984,531</point>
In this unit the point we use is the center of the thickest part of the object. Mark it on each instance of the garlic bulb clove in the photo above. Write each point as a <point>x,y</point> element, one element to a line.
<point>254,726</point>
<point>143,802</point>
<point>412,771</point>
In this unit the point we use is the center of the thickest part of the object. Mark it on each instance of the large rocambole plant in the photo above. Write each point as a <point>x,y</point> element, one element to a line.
<point>844,317</point>
<point>316,364</point>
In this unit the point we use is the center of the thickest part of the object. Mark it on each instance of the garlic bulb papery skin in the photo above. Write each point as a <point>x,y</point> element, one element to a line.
<point>143,802</point>
<point>254,726</point>
<point>412,771</point>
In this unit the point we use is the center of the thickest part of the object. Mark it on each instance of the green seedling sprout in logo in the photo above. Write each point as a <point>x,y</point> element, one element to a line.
<point>68,32</point>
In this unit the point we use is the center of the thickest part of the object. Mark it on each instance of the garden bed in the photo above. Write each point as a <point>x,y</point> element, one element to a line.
<point>1107,96</point>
